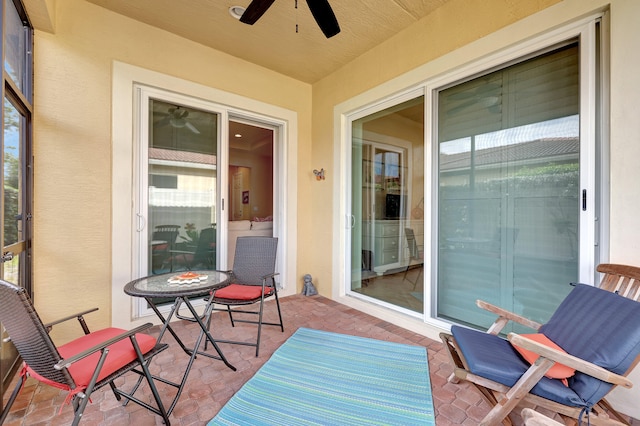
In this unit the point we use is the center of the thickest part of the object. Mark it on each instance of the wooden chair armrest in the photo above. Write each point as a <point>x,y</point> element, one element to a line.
<point>65,363</point>
<point>504,317</point>
<point>533,418</point>
<point>569,360</point>
<point>79,316</point>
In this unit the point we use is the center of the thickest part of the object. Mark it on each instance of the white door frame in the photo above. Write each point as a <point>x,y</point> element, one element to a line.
<point>125,127</point>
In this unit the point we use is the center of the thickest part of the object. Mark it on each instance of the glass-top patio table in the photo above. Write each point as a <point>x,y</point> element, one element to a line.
<point>182,286</point>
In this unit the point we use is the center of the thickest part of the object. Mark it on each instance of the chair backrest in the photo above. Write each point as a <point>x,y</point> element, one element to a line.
<point>621,279</point>
<point>367,260</point>
<point>205,254</point>
<point>600,327</point>
<point>29,335</point>
<point>414,252</point>
<point>168,233</point>
<point>255,257</point>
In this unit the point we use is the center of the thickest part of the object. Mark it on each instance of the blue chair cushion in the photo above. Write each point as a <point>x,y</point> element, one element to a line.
<point>494,358</point>
<point>600,327</point>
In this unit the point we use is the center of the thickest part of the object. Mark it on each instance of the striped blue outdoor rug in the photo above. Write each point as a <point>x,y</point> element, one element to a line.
<point>322,378</point>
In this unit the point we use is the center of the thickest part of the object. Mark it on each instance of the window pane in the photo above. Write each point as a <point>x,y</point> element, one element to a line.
<point>11,269</point>
<point>182,177</point>
<point>387,202</point>
<point>15,45</point>
<point>12,205</point>
<point>509,153</point>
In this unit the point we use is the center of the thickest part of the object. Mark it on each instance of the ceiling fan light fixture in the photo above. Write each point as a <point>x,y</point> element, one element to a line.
<point>236,11</point>
<point>489,101</point>
<point>178,122</point>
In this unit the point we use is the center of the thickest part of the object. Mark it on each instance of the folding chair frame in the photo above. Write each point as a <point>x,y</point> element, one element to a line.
<point>23,323</point>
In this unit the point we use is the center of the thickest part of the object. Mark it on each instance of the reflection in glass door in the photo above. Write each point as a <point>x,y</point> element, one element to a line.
<point>182,187</point>
<point>14,238</point>
<point>13,265</point>
<point>251,182</point>
<point>509,189</point>
<point>387,234</point>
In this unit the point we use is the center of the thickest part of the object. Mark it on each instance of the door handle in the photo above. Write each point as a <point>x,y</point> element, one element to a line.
<point>142,222</point>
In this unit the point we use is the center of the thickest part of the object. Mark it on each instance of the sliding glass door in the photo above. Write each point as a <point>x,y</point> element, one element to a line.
<point>204,177</point>
<point>509,192</point>
<point>483,187</point>
<point>387,197</point>
<point>182,154</point>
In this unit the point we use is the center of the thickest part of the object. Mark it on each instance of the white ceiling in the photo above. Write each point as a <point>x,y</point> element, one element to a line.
<point>272,42</point>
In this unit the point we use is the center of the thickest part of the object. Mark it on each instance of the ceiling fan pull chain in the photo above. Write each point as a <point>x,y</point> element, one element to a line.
<point>296,3</point>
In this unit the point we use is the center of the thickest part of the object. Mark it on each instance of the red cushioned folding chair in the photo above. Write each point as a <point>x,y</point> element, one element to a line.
<point>82,365</point>
<point>252,281</point>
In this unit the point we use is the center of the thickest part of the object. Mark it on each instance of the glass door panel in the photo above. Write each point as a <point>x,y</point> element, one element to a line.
<point>182,188</point>
<point>387,232</point>
<point>12,206</point>
<point>251,182</point>
<point>509,187</point>
<point>14,221</point>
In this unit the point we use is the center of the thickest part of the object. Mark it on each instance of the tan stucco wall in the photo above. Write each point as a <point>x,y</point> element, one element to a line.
<point>73,141</point>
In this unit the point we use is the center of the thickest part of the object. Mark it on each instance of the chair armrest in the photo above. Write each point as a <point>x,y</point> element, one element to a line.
<point>504,317</point>
<point>569,360</point>
<point>65,363</point>
<point>181,251</point>
<point>533,418</point>
<point>272,275</point>
<point>79,316</point>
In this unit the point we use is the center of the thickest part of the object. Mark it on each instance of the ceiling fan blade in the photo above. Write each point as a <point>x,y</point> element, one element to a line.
<point>192,128</point>
<point>324,16</point>
<point>255,10</point>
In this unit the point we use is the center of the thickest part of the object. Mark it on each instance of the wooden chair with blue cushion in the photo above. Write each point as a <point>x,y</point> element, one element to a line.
<point>252,281</point>
<point>81,366</point>
<point>590,344</point>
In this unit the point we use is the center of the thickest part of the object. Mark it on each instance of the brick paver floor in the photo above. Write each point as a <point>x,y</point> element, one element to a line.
<point>211,383</point>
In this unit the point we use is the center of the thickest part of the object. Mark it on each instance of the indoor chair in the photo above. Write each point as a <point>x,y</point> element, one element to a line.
<point>367,274</point>
<point>203,257</point>
<point>163,241</point>
<point>416,256</point>
<point>252,281</point>
<point>82,365</point>
<point>569,365</point>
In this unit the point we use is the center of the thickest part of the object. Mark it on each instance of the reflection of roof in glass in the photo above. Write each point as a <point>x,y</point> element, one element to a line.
<point>542,150</point>
<point>181,156</point>
<point>168,197</point>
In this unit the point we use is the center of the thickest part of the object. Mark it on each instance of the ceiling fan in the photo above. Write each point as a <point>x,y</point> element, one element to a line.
<point>487,95</point>
<point>320,9</point>
<point>177,117</point>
